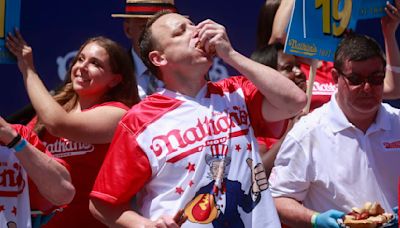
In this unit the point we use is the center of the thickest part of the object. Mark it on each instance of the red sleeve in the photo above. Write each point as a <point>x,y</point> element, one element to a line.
<point>125,169</point>
<point>254,99</point>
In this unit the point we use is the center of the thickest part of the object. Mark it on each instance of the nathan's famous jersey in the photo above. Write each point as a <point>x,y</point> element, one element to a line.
<point>197,154</point>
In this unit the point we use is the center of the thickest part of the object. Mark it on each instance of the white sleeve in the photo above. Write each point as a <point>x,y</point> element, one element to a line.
<point>293,170</point>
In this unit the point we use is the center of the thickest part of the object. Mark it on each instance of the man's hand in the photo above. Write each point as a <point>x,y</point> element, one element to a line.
<point>169,222</point>
<point>7,133</point>
<point>214,39</point>
<point>328,219</point>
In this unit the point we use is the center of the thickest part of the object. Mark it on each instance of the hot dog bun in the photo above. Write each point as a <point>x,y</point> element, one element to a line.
<point>370,216</point>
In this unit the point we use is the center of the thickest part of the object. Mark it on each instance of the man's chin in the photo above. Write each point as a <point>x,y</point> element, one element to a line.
<point>368,108</point>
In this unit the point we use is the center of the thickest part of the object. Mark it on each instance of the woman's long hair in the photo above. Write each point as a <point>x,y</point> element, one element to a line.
<point>125,92</point>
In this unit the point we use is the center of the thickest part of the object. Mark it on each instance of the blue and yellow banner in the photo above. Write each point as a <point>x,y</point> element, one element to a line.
<point>316,26</point>
<point>9,19</point>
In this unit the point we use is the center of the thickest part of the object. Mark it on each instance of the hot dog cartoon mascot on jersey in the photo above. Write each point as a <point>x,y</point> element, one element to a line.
<point>218,202</point>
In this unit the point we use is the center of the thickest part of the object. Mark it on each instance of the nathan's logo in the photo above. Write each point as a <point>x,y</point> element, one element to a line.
<point>64,148</point>
<point>12,182</point>
<point>180,139</point>
<point>302,48</point>
<point>392,145</point>
<point>323,88</point>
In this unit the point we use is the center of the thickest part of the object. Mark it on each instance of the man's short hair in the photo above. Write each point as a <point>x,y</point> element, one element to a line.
<point>355,47</point>
<point>146,42</point>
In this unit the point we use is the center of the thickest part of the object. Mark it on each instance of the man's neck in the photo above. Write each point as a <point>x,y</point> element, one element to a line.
<point>362,122</point>
<point>184,85</point>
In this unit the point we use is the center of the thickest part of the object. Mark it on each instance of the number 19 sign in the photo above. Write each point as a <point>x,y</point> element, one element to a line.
<point>9,19</point>
<point>316,26</point>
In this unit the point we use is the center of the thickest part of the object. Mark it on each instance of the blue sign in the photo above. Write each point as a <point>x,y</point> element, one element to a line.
<point>316,26</point>
<point>9,19</point>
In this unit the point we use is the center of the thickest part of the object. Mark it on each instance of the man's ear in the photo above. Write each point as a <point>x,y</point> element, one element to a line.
<point>157,58</point>
<point>335,75</point>
<point>127,29</point>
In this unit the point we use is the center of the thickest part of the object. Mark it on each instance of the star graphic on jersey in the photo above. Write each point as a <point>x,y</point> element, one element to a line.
<point>237,147</point>
<point>191,183</point>
<point>2,208</point>
<point>190,167</point>
<point>14,211</point>
<point>249,147</point>
<point>179,190</point>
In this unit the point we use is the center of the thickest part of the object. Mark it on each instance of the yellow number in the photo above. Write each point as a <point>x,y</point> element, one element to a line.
<point>343,17</point>
<point>326,14</point>
<point>2,17</point>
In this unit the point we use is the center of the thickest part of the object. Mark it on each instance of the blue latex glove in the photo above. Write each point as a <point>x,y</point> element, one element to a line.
<point>40,220</point>
<point>394,222</point>
<point>328,219</point>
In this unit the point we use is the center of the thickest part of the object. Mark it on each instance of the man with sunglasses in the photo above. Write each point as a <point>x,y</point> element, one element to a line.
<point>346,152</point>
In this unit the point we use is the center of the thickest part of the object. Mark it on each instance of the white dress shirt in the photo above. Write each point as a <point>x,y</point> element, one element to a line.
<point>327,163</point>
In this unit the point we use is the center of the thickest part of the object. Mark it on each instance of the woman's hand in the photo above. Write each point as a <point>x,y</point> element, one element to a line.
<point>391,21</point>
<point>22,51</point>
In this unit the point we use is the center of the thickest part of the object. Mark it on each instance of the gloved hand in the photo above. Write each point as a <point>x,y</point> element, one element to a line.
<point>394,223</point>
<point>39,220</point>
<point>328,219</point>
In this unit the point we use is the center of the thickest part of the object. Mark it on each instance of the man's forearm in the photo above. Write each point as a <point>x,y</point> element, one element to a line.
<point>292,213</point>
<point>116,215</point>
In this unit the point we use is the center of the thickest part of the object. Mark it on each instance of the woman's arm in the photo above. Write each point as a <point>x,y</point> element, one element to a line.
<point>281,22</point>
<point>93,126</point>
<point>390,24</point>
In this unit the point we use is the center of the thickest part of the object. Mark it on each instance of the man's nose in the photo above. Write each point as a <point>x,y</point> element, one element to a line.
<point>367,86</point>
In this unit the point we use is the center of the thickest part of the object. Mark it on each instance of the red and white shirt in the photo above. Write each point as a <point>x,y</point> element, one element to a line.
<point>160,150</point>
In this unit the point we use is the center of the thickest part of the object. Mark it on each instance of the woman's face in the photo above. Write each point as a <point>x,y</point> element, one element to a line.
<point>288,66</point>
<point>91,74</point>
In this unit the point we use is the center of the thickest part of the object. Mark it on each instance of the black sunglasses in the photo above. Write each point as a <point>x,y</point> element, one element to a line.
<point>355,80</point>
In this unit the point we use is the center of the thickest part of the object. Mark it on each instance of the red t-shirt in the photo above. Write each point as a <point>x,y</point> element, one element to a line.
<point>85,160</point>
<point>323,87</point>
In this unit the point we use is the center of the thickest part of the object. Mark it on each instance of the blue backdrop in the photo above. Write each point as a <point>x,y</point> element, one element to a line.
<point>56,30</point>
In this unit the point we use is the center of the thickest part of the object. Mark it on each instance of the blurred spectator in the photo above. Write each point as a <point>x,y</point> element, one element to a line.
<point>137,12</point>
